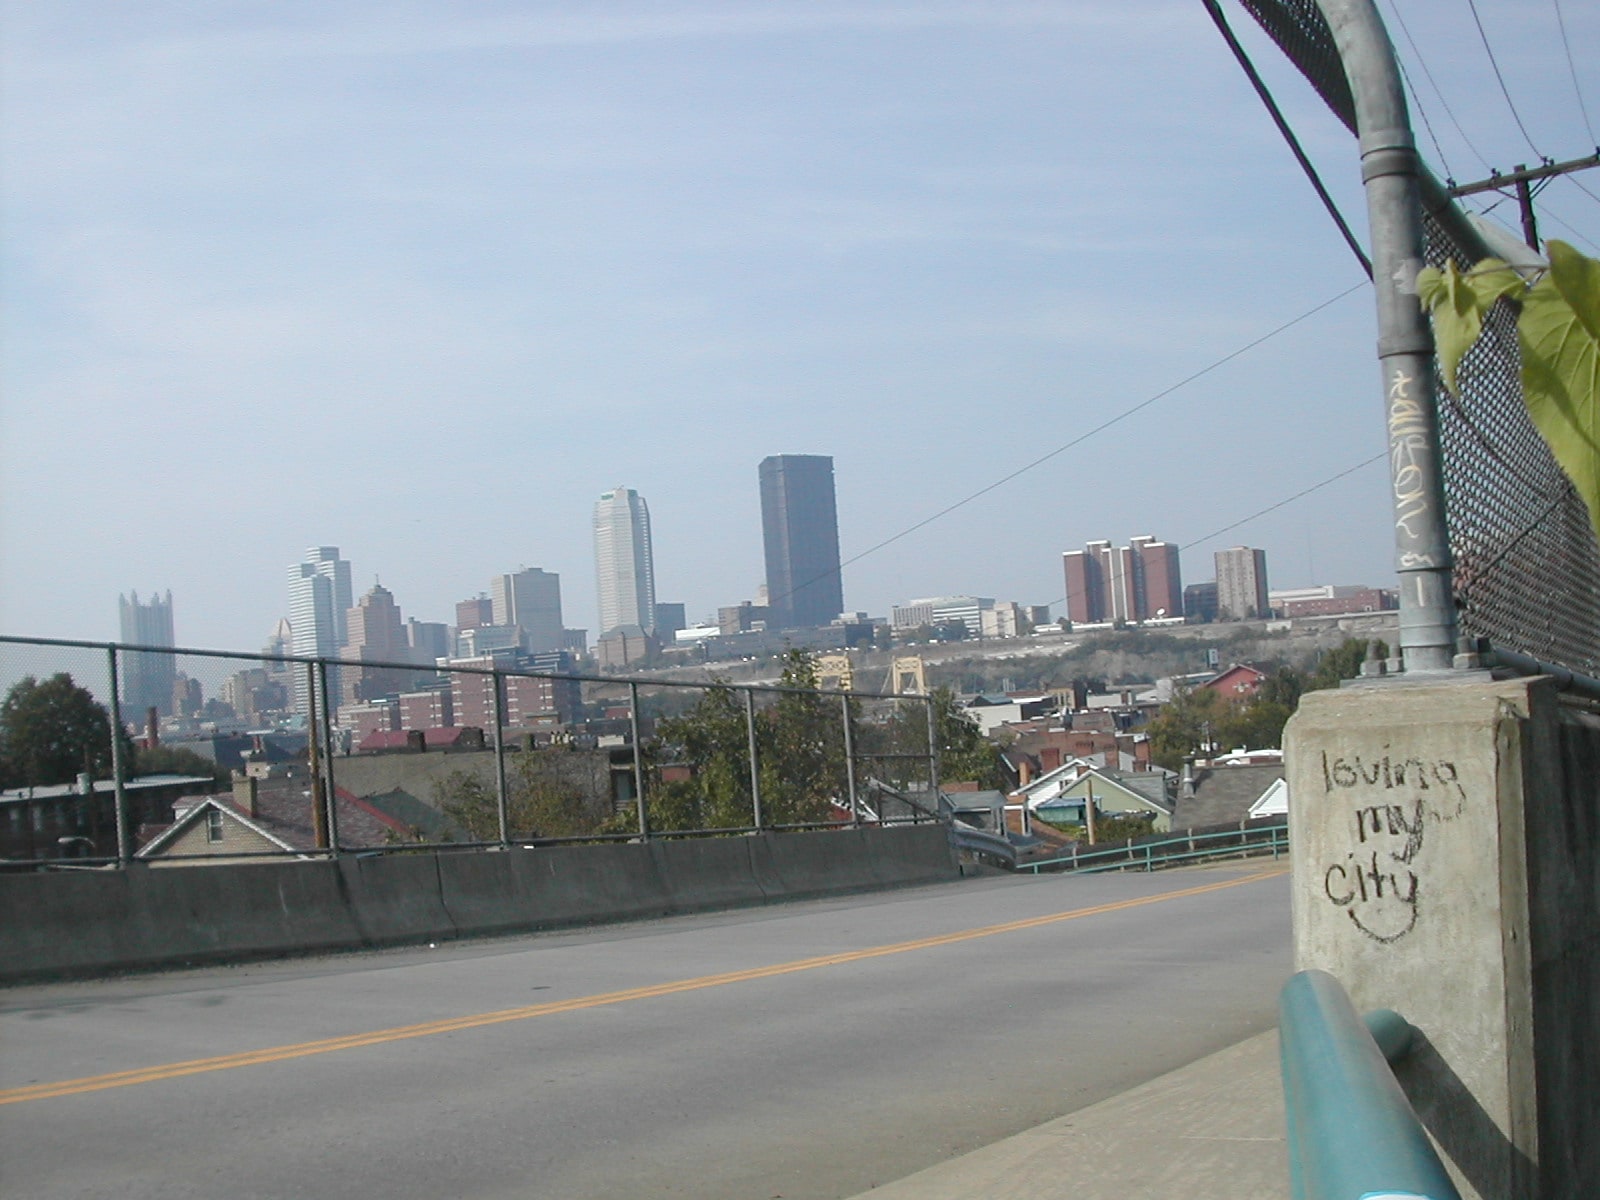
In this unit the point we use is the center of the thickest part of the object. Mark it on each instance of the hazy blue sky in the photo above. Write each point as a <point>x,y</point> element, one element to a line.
<point>422,280</point>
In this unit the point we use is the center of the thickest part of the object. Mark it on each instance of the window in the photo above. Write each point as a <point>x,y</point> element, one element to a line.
<point>214,825</point>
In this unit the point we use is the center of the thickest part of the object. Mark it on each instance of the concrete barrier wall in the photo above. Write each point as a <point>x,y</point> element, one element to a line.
<point>1445,842</point>
<point>91,922</point>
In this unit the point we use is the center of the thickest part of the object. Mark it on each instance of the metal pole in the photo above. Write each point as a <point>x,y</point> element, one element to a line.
<point>850,760</point>
<point>755,765</point>
<point>118,791</point>
<point>1391,171</point>
<point>933,752</point>
<point>332,794</point>
<point>638,762</point>
<point>319,812</point>
<point>502,809</point>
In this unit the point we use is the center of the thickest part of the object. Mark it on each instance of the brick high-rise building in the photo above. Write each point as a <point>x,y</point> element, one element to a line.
<point>375,633</point>
<point>1157,579</point>
<point>1137,582</point>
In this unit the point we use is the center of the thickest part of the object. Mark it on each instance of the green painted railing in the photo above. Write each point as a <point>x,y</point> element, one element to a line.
<point>1173,851</point>
<point>1352,1133</point>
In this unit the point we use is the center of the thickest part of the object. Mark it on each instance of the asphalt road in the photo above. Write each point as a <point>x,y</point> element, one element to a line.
<point>808,1050</point>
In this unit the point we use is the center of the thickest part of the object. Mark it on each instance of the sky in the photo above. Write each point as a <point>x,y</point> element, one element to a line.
<point>421,280</point>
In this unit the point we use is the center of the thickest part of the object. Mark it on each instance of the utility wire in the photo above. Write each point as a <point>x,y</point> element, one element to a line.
<point>1570,228</point>
<point>1416,102</point>
<point>1572,68</point>
<point>1422,62</point>
<point>1260,86</point>
<point>1315,487</point>
<point>1083,437</point>
<point>1504,91</point>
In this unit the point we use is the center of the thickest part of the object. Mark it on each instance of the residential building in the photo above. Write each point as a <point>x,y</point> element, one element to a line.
<point>624,561</point>
<point>528,701</point>
<point>530,599</point>
<point>146,678</point>
<point>1157,579</point>
<point>800,535</point>
<point>319,607</point>
<point>1241,584</point>
<point>1109,584</point>
<point>431,708</point>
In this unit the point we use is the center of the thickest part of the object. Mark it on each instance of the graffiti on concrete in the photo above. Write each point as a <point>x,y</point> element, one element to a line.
<point>1378,881</point>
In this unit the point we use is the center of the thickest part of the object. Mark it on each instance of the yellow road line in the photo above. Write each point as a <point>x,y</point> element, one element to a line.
<point>250,1058</point>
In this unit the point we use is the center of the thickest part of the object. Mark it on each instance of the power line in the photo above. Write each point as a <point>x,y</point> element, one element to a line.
<point>1367,462</point>
<point>1504,91</point>
<point>1260,86</point>
<point>1422,62</point>
<point>1100,428</point>
<point>1561,22</point>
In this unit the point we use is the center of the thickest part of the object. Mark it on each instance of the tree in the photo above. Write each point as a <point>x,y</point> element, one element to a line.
<point>1558,334</point>
<point>549,794</point>
<point>51,731</point>
<point>964,753</point>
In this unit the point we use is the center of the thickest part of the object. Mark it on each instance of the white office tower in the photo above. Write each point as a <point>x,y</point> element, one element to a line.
<point>319,601</point>
<point>625,579</point>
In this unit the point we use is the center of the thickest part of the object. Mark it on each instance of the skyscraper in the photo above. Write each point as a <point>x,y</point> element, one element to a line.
<point>531,600</point>
<point>147,679</point>
<point>375,632</point>
<point>800,532</point>
<point>624,568</point>
<point>319,603</point>
<point>1241,583</point>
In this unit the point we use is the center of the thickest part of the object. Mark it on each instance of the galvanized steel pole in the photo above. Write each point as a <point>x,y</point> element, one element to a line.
<point>638,762</point>
<point>755,765</point>
<point>319,811</point>
<point>933,756</point>
<point>327,757</point>
<point>118,791</point>
<point>849,759</point>
<point>501,808</point>
<point>1391,170</point>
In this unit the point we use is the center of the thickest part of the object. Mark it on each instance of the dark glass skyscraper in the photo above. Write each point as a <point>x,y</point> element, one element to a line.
<point>800,528</point>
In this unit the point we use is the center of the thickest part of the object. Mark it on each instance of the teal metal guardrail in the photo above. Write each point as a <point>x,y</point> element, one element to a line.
<point>1353,1135</point>
<point>1147,856</point>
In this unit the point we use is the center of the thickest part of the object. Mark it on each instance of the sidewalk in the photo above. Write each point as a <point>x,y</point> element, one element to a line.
<point>1210,1131</point>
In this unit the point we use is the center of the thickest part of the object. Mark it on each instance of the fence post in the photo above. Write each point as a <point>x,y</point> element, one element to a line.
<point>319,811</point>
<point>850,760</point>
<point>332,795</point>
<point>502,813</point>
<point>118,791</point>
<point>755,767</point>
<point>1390,170</point>
<point>638,762</point>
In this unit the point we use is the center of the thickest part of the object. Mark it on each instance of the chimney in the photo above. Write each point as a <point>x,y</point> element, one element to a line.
<point>1187,784</point>
<point>1024,772</point>
<point>152,728</point>
<point>244,793</point>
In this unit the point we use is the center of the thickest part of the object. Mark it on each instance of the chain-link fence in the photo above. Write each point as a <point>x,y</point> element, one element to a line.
<point>1526,570</point>
<point>224,756</point>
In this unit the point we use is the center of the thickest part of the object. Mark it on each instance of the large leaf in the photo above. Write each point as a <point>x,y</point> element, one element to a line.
<point>1560,338</point>
<point>1458,302</point>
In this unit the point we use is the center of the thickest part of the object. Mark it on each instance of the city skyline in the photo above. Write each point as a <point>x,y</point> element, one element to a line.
<point>761,243</point>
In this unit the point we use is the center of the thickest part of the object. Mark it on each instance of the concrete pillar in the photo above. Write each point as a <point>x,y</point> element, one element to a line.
<point>1445,843</point>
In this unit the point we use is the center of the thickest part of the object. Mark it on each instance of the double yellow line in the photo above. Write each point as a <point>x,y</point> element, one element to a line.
<point>376,1037</point>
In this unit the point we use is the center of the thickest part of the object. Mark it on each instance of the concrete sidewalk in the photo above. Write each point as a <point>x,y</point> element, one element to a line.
<point>1210,1131</point>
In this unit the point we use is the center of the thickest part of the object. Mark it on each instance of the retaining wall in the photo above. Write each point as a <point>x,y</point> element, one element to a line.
<point>94,922</point>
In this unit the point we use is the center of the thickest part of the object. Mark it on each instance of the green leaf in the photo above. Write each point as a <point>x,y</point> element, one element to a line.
<point>1560,338</point>
<point>1458,301</point>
